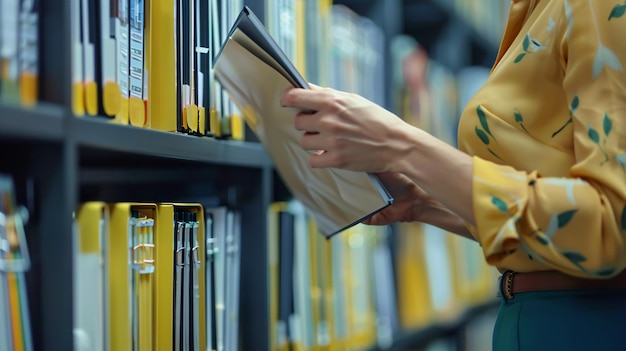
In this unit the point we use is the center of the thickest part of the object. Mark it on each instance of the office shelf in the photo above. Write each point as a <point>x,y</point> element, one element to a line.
<point>41,122</point>
<point>101,137</point>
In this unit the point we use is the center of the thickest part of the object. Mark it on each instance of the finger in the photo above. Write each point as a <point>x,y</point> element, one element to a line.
<point>312,141</point>
<point>306,121</point>
<point>304,99</point>
<point>324,160</point>
<point>314,86</point>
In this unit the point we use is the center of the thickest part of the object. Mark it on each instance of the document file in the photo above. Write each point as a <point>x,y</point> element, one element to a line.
<point>249,60</point>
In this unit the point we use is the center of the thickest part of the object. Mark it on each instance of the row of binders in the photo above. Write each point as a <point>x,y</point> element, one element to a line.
<point>149,64</point>
<point>156,277</point>
<point>15,329</point>
<point>365,287</point>
<point>327,294</point>
<point>19,51</point>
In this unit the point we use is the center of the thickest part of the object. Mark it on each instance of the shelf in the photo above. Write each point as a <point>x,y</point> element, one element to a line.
<point>361,7</point>
<point>99,135</point>
<point>428,20</point>
<point>417,339</point>
<point>41,122</point>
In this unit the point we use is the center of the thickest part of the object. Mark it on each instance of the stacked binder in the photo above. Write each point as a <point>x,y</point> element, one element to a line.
<point>156,277</point>
<point>326,294</point>
<point>19,51</point>
<point>149,64</point>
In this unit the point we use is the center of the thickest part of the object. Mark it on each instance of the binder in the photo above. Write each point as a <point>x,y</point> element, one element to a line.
<point>210,284</point>
<point>248,60</point>
<point>122,35</point>
<point>302,320</point>
<point>226,257</point>
<point>29,52</point>
<point>286,307</point>
<point>233,269</point>
<point>179,290</point>
<point>214,117</point>
<point>9,49</point>
<point>359,275</point>
<point>322,293</point>
<point>385,292</point>
<point>110,89</point>
<point>219,229</point>
<point>440,273</point>
<point>131,259</point>
<point>137,64</point>
<point>89,34</point>
<point>414,297</point>
<point>90,270</point>
<point>339,293</point>
<point>15,332</point>
<point>277,332</point>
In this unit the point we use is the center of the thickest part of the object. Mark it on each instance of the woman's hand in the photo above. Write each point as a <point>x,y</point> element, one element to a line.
<point>413,204</point>
<point>347,131</point>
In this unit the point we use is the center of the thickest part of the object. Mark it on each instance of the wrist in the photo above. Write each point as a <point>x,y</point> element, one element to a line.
<point>409,150</point>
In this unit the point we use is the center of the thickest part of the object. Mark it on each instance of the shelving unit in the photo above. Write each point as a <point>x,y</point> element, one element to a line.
<point>58,161</point>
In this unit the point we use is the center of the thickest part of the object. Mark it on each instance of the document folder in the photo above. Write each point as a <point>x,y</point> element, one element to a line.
<point>255,72</point>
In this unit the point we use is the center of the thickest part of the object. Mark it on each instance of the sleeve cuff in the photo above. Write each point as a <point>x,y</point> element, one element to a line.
<point>499,196</point>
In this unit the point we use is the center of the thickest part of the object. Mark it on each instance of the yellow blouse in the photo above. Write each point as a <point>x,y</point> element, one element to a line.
<point>548,136</point>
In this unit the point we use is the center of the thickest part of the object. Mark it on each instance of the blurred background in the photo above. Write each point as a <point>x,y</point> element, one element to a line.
<point>111,119</point>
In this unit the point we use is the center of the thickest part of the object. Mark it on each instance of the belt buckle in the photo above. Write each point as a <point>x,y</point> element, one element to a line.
<point>507,281</point>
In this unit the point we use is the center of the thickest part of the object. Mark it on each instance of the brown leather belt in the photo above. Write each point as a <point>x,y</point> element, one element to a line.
<point>513,283</point>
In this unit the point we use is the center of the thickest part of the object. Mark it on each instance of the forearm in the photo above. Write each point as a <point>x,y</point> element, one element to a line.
<point>447,220</point>
<point>441,170</point>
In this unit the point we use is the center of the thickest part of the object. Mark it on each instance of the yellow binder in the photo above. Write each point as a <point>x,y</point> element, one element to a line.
<point>414,306</point>
<point>131,275</point>
<point>273,232</point>
<point>162,66</point>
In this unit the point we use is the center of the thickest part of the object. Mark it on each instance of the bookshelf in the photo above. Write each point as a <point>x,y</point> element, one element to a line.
<point>58,161</point>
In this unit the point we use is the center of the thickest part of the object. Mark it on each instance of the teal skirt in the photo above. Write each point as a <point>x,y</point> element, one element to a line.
<point>577,320</point>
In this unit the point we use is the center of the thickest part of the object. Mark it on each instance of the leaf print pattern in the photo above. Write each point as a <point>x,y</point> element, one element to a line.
<point>572,109</point>
<point>618,11</point>
<point>605,272</point>
<point>594,135</point>
<point>500,204</point>
<point>519,119</point>
<point>484,133</point>
<point>551,25</point>
<point>529,45</point>
<point>483,121</point>
<point>574,256</point>
<point>550,226</point>
<point>604,56</point>
<point>557,221</point>
<point>621,159</point>
<point>565,217</point>
<point>568,184</point>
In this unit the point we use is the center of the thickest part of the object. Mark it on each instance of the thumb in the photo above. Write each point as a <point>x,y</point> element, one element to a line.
<point>314,86</point>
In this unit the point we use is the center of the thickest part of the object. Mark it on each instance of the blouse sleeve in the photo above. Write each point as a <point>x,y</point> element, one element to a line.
<point>576,224</point>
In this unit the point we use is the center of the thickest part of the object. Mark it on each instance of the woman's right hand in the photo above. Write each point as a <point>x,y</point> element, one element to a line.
<point>413,204</point>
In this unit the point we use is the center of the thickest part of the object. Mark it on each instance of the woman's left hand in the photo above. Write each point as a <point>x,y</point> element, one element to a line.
<point>347,131</point>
